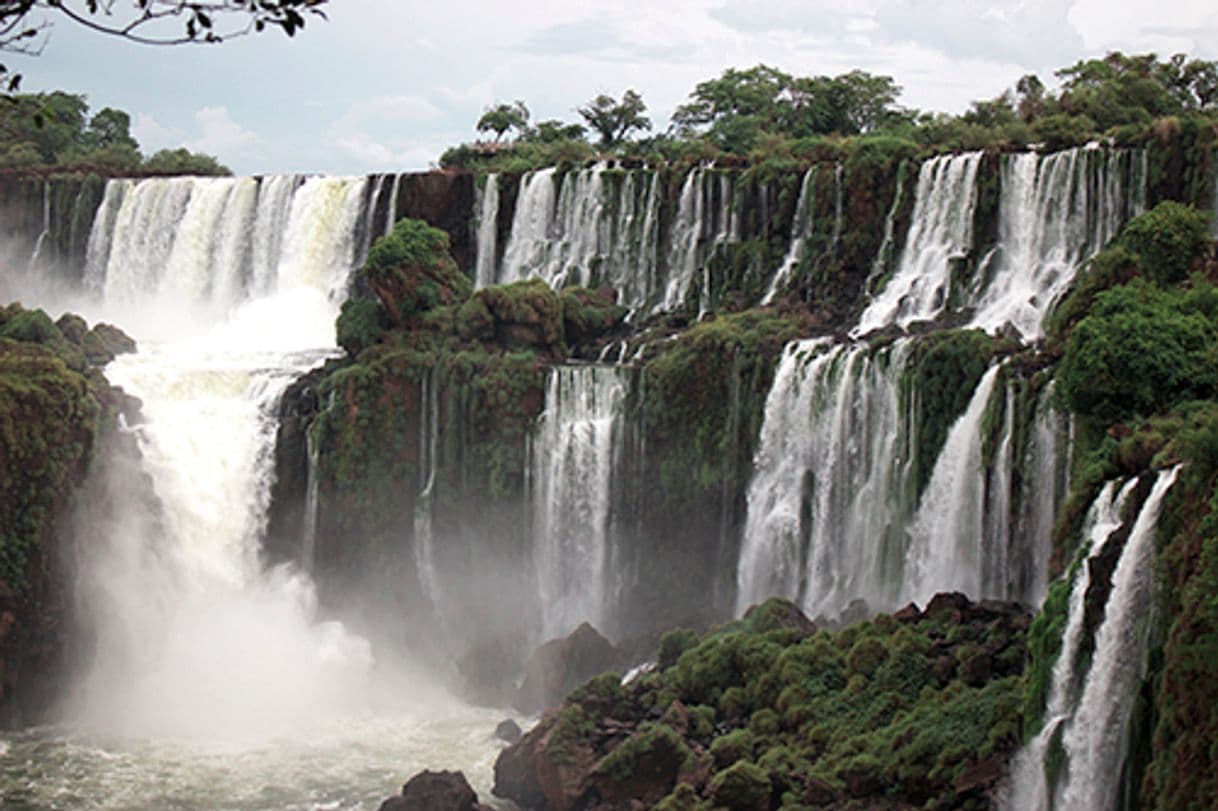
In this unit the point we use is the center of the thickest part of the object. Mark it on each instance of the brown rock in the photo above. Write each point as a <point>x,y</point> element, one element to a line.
<point>434,791</point>
<point>561,665</point>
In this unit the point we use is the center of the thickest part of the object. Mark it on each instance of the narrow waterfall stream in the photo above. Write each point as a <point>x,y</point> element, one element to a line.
<point>214,684</point>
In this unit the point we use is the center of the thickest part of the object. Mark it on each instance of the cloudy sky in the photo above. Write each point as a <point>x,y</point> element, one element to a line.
<point>386,85</point>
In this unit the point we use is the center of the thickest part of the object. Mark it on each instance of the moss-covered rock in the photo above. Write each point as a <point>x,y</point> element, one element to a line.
<point>860,716</point>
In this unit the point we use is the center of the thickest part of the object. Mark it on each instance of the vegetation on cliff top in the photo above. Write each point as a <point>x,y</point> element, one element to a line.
<point>763,114</point>
<point>56,130</point>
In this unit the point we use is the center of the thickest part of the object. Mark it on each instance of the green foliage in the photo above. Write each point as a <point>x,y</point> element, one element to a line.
<point>1167,240</point>
<point>1110,267</point>
<point>941,378</point>
<point>184,162</point>
<point>411,272</point>
<point>654,746</point>
<point>864,715</point>
<point>613,120</point>
<point>672,645</point>
<point>51,413</point>
<point>1139,351</point>
<point>743,786</point>
<point>361,322</point>
<point>1062,131</point>
<point>503,117</point>
<point>1044,644</point>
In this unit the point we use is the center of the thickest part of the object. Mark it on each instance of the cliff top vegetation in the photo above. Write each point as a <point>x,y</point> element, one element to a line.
<point>762,115</point>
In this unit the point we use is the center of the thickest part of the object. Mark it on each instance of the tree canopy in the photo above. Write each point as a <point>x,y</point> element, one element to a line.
<point>762,113</point>
<point>613,120</point>
<point>503,117</point>
<point>56,129</point>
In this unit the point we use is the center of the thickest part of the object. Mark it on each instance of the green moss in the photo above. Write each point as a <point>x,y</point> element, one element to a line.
<point>743,786</point>
<point>941,378</point>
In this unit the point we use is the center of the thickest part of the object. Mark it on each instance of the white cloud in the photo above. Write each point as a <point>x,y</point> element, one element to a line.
<point>152,135</point>
<point>220,135</point>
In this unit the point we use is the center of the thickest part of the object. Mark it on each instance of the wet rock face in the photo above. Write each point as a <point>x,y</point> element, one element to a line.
<point>561,665</point>
<point>435,791</point>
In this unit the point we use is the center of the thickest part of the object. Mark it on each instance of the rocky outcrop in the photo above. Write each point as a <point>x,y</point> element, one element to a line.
<point>768,711</point>
<point>56,412</point>
<point>435,791</point>
<point>561,665</point>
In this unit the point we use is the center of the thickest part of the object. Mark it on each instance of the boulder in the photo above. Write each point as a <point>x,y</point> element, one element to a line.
<point>508,730</point>
<point>435,791</point>
<point>104,343</point>
<point>561,665</point>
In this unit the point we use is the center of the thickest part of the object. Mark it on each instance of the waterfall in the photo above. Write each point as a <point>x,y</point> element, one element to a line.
<point>1055,211</point>
<point>199,640</point>
<point>1096,738</point>
<point>308,544</point>
<point>1044,485</point>
<point>801,226</point>
<point>946,551</point>
<point>424,536</point>
<point>488,225</point>
<point>45,233</point>
<point>825,497</point>
<point>586,227</point>
<point>571,500</point>
<point>941,231</point>
<point>705,219</point>
<point>1029,789</point>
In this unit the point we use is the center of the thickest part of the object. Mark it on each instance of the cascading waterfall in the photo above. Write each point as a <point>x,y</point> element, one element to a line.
<point>488,226</point>
<point>945,552</point>
<point>210,682</point>
<point>1045,483</point>
<point>586,227</point>
<point>1029,789</point>
<point>941,231</point>
<point>424,536</point>
<point>210,390</point>
<point>1055,211</point>
<point>801,224</point>
<point>832,512</point>
<point>825,498</point>
<point>705,219</point>
<point>1096,737</point>
<point>572,491</point>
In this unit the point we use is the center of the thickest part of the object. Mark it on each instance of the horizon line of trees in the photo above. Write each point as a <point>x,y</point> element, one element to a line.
<point>57,130</point>
<point>761,111</point>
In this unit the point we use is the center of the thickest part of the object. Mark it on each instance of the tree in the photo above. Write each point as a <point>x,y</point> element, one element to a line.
<point>185,162</point>
<point>756,94</point>
<point>614,120</point>
<point>552,131</point>
<point>24,23</point>
<point>109,127</point>
<point>503,117</point>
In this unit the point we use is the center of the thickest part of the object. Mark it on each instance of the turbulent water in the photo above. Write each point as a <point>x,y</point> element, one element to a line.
<point>214,685</point>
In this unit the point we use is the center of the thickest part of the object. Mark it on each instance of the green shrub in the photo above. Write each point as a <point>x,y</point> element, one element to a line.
<point>1167,240</point>
<point>743,786</point>
<point>360,324</point>
<point>1139,351</point>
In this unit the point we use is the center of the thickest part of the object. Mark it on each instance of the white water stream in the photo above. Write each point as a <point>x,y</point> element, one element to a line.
<point>214,683</point>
